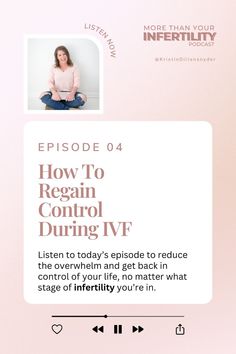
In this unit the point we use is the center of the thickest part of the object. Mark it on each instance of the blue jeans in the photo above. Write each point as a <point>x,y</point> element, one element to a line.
<point>77,102</point>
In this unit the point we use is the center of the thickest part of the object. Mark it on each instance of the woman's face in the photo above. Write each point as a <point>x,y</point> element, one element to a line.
<point>62,57</point>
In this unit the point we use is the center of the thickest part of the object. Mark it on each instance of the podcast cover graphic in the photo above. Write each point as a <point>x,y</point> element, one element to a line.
<point>117,254</point>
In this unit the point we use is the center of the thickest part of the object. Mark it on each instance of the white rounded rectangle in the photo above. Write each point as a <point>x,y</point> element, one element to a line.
<point>118,212</point>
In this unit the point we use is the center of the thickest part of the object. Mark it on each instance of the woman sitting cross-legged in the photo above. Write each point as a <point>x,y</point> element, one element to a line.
<point>64,82</point>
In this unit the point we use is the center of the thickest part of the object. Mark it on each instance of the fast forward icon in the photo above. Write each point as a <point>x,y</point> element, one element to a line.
<point>137,329</point>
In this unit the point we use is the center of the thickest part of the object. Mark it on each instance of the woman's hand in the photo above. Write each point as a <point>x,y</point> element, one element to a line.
<point>56,96</point>
<point>70,97</point>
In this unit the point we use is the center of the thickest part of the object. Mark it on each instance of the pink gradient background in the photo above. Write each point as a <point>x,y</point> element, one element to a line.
<point>135,88</point>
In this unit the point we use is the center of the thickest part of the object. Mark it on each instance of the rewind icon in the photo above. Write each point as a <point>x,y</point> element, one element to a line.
<point>98,329</point>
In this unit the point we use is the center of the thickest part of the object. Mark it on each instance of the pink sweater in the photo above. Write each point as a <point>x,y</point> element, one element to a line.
<point>64,80</point>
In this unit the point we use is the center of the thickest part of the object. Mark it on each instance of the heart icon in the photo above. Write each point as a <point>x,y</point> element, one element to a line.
<point>57,328</point>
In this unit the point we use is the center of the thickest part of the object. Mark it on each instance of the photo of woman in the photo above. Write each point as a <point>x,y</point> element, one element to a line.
<point>63,74</point>
<point>64,82</point>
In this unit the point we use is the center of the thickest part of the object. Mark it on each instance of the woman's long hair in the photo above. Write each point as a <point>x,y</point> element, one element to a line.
<point>65,50</point>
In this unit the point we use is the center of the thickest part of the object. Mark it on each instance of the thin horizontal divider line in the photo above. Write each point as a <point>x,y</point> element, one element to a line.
<point>116,316</point>
<point>84,316</point>
<point>146,316</point>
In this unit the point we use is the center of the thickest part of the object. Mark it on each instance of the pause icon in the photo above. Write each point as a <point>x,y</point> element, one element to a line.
<point>118,329</point>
